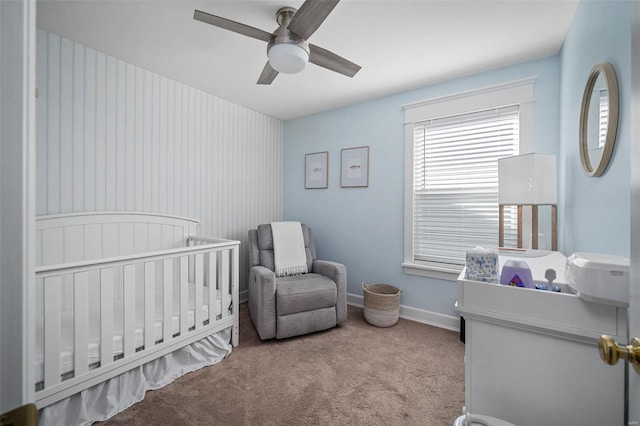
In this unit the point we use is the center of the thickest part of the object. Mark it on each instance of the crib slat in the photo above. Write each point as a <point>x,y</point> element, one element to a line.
<point>106,316</point>
<point>81,323</point>
<point>224,280</point>
<point>168,300</point>
<point>129,310</point>
<point>235,271</point>
<point>211,282</point>
<point>184,294</point>
<point>149,304</point>
<point>198,297</point>
<point>52,331</point>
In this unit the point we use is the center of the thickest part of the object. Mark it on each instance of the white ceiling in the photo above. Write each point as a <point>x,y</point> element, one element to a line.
<point>400,44</point>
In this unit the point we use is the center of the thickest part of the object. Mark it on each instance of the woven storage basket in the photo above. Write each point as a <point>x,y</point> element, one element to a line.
<point>381,304</point>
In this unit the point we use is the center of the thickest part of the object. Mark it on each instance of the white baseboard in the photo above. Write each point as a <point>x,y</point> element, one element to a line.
<point>436,319</point>
<point>243,296</point>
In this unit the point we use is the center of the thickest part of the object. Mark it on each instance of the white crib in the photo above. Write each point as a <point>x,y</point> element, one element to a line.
<point>117,290</point>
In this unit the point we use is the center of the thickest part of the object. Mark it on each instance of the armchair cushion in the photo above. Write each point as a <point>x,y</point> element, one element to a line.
<point>304,293</point>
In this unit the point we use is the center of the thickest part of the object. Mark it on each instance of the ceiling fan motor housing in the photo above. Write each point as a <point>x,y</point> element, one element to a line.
<point>288,53</point>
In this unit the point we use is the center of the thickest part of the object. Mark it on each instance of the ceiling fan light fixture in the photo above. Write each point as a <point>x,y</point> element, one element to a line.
<point>288,58</point>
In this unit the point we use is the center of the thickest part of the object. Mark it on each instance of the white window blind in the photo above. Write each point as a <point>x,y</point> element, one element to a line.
<point>603,118</point>
<point>455,188</point>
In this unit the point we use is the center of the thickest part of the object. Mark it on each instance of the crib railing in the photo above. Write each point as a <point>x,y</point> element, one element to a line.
<point>210,264</point>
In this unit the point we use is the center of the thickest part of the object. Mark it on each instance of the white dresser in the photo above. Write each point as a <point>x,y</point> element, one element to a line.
<point>531,356</point>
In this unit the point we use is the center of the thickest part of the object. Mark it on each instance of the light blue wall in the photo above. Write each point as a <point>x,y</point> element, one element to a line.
<point>363,227</point>
<point>595,210</point>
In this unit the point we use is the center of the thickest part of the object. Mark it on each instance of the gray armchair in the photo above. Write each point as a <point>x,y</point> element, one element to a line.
<point>282,307</point>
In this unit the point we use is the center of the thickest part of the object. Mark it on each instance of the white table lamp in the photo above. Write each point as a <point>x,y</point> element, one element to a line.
<point>528,180</point>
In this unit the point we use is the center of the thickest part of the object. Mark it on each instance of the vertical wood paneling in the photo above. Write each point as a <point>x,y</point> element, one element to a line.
<point>88,177</point>
<point>162,147</point>
<point>100,133</point>
<point>155,142</point>
<point>66,125</point>
<point>42,118</point>
<point>53,97</point>
<point>130,146</point>
<point>138,156</point>
<point>77,137</point>
<point>121,128</point>
<point>147,127</point>
<point>111,130</point>
<point>171,141</point>
<point>113,136</point>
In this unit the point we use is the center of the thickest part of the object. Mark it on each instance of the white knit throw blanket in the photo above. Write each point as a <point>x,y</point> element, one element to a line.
<point>288,248</point>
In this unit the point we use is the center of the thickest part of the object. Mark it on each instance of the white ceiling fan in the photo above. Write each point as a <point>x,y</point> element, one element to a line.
<point>287,49</point>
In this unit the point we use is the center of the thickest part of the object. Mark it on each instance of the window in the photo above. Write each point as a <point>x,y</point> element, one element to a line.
<point>451,183</point>
<point>603,119</point>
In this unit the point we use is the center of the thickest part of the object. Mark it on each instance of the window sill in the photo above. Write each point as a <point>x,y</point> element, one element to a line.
<point>446,274</point>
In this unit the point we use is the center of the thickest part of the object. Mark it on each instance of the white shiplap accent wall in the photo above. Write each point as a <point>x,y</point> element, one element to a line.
<point>114,137</point>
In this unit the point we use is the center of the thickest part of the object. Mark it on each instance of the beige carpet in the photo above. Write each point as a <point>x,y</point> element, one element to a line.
<point>355,374</point>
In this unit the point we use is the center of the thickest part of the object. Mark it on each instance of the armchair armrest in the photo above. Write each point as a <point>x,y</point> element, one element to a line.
<point>262,301</point>
<point>338,273</point>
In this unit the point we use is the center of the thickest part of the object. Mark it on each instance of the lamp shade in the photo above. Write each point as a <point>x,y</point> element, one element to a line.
<point>287,58</point>
<point>527,179</point>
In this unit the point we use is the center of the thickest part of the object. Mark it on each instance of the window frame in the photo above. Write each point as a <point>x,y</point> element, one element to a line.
<point>517,92</point>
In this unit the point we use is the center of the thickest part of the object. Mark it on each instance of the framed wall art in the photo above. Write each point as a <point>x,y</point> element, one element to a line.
<point>316,170</point>
<point>354,167</point>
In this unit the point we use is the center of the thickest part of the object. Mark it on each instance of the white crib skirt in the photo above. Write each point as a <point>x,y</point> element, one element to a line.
<point>113,396</point>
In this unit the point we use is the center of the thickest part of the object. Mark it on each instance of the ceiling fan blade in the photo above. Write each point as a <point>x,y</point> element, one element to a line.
<point>331,61</point>
<point>311,14</point>
<point>230,25</point>
<point>268,74</point>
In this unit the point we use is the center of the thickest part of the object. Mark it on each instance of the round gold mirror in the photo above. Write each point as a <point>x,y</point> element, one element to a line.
<point>599,119</point>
